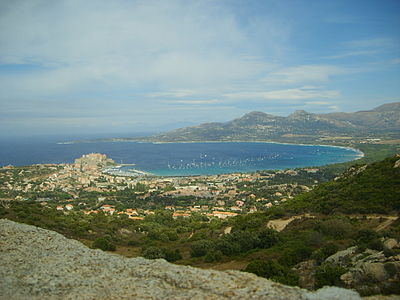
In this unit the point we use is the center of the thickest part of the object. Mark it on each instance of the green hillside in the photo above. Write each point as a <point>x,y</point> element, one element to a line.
<point>371,188</point>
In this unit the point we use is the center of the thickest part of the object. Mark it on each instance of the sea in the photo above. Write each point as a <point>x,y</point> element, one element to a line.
<point>175,159</point>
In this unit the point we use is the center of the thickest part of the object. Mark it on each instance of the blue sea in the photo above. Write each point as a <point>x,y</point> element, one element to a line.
<point>176,159</point>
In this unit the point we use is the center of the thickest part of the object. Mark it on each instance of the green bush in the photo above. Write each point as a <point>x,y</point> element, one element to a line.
<point>227,248</point>
<point>153,252</point>
<point>213,255</point>
<point>172,235</point>
<point>324,252</point>
<point>329,274</point>
<point>244,240</point>
<point>367,238</point>
<point>267,238</point>
<point>201,247</point>
<point>337,228</point>
<point>103,244</point>
<point>272,270</point>
<point>292,256</point>
<point>364,236</point>
<point>172,255</point>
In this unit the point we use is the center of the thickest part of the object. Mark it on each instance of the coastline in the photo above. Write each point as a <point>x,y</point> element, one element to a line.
<point>353,154</point>
<point>359,156</point>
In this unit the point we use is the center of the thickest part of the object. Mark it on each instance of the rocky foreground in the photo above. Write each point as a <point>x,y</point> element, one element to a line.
<point>41,264</point>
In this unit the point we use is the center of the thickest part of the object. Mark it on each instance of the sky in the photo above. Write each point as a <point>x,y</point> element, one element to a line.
<point>127,66</point>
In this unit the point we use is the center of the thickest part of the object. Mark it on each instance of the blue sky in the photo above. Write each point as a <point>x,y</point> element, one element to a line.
<point>99,66</point>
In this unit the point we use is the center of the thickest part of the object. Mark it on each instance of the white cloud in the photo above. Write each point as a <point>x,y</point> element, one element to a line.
<point>317,103</point>
<point>286,94</point>
<point>172,94</point>
<point>126,44</point>
<point>147,59</point>
<point>353,53</point>
<point>366,47</point>
<point>306,74</point>
<point>194,102</point>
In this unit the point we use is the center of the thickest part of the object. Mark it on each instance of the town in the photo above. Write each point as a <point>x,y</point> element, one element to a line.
<point>86,186</point>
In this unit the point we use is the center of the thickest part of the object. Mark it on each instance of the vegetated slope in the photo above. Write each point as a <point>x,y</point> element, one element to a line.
<point>384,119</point>
<point>369,189</point>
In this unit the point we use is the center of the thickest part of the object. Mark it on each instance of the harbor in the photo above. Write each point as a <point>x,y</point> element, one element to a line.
<point>118,171</point>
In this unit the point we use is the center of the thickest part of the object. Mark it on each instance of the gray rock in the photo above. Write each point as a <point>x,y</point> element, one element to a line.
<point>41,264</point>
<point>391,244</point>
<point>342,257</point>
<point>306,271</point>
<point>397,164</point>
<point>369,272</point>
<point>333,293</point>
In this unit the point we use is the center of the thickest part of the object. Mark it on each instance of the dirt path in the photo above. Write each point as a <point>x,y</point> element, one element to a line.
<point>388,221</point>
<point>280,224</point>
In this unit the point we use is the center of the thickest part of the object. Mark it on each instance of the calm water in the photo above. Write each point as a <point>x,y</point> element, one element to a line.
<point>176,158</point>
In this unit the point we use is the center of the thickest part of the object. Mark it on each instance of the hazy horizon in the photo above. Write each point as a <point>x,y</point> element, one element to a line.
<point>103,67</point>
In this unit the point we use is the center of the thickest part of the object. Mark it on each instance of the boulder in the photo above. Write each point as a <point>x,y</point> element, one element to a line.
<point>369,272</point>
<point>391,244</point>
<point>342,257</point>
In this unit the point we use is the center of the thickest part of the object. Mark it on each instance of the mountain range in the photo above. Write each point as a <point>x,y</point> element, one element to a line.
<point>300,126</point>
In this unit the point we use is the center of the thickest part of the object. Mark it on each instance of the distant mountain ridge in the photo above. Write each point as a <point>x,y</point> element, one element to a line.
<point>300,125</point>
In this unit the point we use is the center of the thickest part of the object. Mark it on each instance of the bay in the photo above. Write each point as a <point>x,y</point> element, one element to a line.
<point>177,159</point>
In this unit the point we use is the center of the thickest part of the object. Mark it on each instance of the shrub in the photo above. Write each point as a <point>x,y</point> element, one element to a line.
<point>267,238</point>
<point>391,269</point>
<point>244,240</point>
<point>367,238</point>
<point>172,235</point>
<point>337,228</point>
<point>329,274</point>
<point>227,248</point>
<point>292,256</point>
<point>376,244</point>
<point>153,252</point>
<point>213,255</point>
<point>364,236</point>
<point>315,239</point>
<point>272,270</point>
<point>103,244</point>
<point>200,248</point>
<point>172,255</point>
<point>324,252</point>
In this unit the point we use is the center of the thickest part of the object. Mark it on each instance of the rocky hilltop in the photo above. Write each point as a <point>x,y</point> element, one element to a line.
<point>93,161</point>
<point>300,126</point>
<point>41,264</point>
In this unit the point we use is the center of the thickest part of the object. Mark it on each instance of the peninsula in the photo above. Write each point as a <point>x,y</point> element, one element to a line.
<point>381,124</point>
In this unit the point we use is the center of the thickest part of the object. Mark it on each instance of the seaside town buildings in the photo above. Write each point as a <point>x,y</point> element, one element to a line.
<point>218,196</point>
